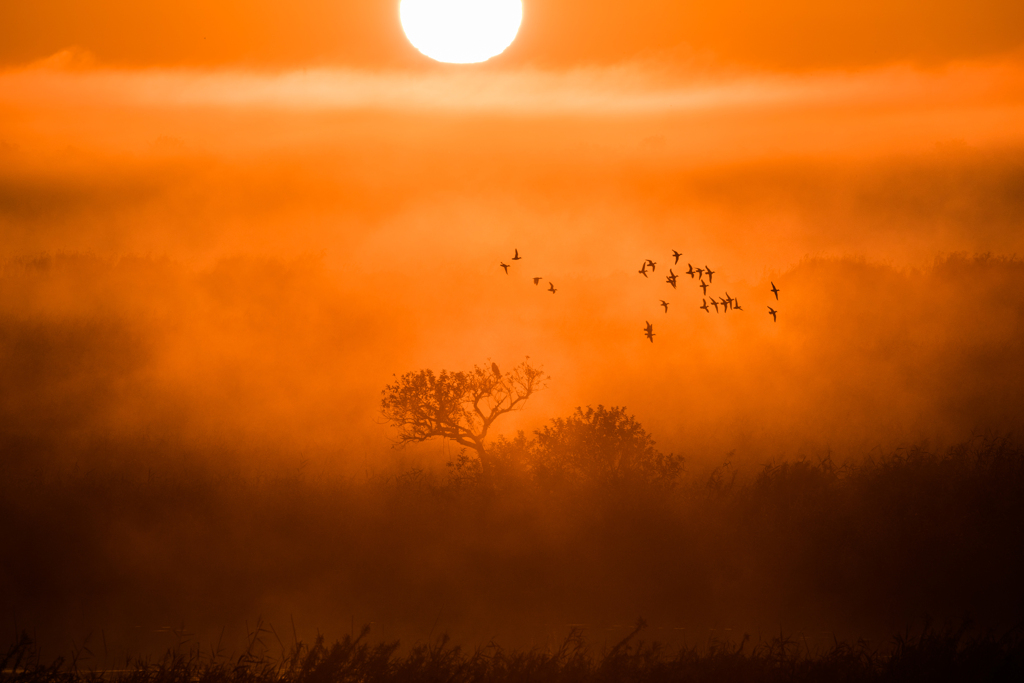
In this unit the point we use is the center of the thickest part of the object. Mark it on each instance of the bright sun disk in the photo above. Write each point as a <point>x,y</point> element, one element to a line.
<point>461,31</point>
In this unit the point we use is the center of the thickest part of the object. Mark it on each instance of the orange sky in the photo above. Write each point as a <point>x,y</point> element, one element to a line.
<point>304,160</point>
<point>555,34</point>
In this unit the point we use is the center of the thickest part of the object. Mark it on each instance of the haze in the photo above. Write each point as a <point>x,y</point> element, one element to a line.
<point>224,230</point>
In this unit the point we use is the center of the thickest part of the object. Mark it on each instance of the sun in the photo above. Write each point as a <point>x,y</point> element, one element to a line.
<point>461,31</point>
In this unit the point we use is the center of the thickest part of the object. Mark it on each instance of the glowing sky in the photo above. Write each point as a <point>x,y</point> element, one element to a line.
<point>751,135</point>
<point>555,34</point>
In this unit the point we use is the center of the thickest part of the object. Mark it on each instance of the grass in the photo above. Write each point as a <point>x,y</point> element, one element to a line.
<point>932,655</point>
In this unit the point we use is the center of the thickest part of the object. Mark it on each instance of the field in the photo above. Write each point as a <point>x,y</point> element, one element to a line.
<point>810,548</point>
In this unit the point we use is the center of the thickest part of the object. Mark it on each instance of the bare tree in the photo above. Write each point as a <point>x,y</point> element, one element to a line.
<point>460,406</point>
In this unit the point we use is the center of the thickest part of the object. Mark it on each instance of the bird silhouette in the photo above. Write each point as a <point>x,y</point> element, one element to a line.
<point>665,304</point>
<point>700,272</point>
<point>728,299</point>
<point>537,280</point>
<point>736,305</point>
<point>714,303</point>
<point>649,332</point>
<point>689,271</point>
<point>709,273</point>
<point>505,266</point>
<point>725,304</point>
<point>653,264</point>
<point>772,312</point>
<point>517,256</point>
<point>703,287</point>
<point>676,254</point>
<point>497,372</point>
<point>704,306</point>
<point>671,279</point>
<point>643,269</point>
<point>551,288</point>
<point>775,290</point>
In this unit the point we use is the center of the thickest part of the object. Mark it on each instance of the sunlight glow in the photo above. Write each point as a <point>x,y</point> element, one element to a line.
<point>461,31</point>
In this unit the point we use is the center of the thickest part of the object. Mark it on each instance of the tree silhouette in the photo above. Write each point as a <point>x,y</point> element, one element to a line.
<point>602,446</point>
<point>460,406</point>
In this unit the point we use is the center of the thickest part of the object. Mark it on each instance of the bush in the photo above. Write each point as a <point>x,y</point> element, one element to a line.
<point>602,447</point>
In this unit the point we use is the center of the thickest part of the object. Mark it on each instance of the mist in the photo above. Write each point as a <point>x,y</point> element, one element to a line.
<point>202,298</point>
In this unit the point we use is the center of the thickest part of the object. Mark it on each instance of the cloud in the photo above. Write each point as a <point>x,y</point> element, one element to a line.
<point>630,89</point>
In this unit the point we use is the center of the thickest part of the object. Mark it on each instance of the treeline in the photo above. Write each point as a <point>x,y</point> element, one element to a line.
<point>583,522</point>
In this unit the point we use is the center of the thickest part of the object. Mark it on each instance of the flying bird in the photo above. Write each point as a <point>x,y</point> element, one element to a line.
<point>652,265</point>
<point>714,303</point>
<point>690,271</point>
<point>775,290</point>
<point>505,266</point>
<point>643,269</point>
<point>728,299</point>
<point>517,256</point>
<point>736,305</point>
<point>537,280</point>
<point>676,254</point>
<point>772,312</point>
<point>725,304</point>
<point>709,272</point>
<point>649,332</point>
<point>704,306</point>
<point>700,272</point>
<point>497,372</point>
<point>703,287</point>
<point>665,304</point>
<point>551,288</point>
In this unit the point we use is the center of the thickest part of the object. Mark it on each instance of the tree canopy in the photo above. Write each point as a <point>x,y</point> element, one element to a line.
<point>593,446</point>
<point>460,406</point>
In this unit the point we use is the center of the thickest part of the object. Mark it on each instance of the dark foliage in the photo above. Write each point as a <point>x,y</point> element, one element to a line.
<point>812,547</point>
<point>603,447</point>
<point>932,656</point>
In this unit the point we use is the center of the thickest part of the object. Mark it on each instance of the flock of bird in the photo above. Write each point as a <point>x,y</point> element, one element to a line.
<point>726,303</point>
<point>722,304</point>
<point>536,280</point>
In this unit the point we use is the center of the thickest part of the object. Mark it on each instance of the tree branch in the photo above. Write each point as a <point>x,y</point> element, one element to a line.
<point>460,406</point>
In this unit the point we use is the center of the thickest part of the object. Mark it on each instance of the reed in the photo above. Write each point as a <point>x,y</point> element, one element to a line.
<point>931,655</point>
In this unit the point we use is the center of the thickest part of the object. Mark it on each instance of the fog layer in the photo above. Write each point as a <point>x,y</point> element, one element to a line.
<point>201,301</point>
